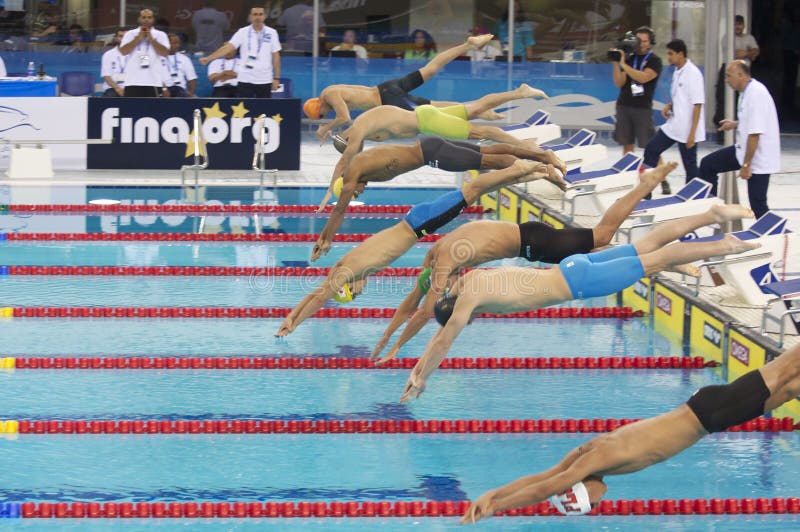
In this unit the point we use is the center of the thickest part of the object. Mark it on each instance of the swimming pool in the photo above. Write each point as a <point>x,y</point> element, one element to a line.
<point>324,467</point>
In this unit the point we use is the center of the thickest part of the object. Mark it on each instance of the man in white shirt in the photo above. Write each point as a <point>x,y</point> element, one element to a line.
<point>685,117</point>
<point>180,77</point>
<point>349,44</point>
<point>222,73</point>
<point>756,152</point>
<point>112,68</point>
<point>144,47</point>
<point>260,62</point>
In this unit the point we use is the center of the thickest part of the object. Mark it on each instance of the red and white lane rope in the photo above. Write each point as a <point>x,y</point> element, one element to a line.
<point>282,312</point>
<point>327,363</point>
<point>335,426</point>
<point>187,237</point>
<point>319,509</point>
<point>207,209</point>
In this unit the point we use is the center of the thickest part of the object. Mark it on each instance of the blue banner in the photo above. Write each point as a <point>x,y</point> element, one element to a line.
<point>157,133</point>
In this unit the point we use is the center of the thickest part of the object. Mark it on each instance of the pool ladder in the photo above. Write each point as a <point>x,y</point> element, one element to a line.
<point>259,165</point>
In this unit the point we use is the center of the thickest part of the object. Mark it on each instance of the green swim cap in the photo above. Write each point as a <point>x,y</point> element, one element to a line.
<point>424,280</point>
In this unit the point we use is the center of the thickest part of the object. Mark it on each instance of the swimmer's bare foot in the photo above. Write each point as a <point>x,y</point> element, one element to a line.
<point>555,160</point>
<point>490,115</point>
<point>736,245</point>
<point>527,91</point>
<point>656,175</point>
<point>726,213</point>
<point>479,41</point>
<point>686,269</point>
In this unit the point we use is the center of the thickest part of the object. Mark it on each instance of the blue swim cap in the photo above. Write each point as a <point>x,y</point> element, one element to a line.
<point>444,308</point>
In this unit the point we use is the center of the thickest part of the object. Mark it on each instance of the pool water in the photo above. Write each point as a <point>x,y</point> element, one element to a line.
<point>326,467</point>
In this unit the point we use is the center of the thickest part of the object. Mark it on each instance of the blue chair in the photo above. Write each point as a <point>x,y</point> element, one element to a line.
<point>76,84</point>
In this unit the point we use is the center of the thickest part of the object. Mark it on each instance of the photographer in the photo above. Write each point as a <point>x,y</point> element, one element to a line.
<point>144,47</point>
<point>636,69</point>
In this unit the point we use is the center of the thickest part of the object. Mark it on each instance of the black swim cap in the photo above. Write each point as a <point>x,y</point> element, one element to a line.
<point>339,143</point>
<point>444,308</point>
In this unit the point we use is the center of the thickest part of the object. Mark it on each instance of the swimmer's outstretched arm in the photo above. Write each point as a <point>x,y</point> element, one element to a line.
<point>531,489</point>
<point>437,350</point>
<point>408,306</point>
<point>323,244</point>
<point>339,106</point>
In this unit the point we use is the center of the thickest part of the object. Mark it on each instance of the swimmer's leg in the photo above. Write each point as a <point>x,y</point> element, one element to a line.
<point>530,151</point>
<point>616,214</point>
<point>490,101</point>
<point>496,179</point>
<point>669,231</point>
<point>680,253</point>
<point>442,58</point>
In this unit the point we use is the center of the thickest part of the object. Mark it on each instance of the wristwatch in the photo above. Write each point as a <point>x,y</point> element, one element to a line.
<point>746,165</point>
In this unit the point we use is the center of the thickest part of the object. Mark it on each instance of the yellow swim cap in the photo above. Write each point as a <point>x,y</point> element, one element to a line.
<point>344,295</point>
<point>337,187</point>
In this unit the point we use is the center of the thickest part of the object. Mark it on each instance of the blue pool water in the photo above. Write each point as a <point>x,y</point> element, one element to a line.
<point>281,467</point>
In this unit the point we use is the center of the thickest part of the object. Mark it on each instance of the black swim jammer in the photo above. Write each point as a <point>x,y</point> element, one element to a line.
<point>450,155</point>
<point>721,406</point>
<point>540,242</point>
<point>396,91</point>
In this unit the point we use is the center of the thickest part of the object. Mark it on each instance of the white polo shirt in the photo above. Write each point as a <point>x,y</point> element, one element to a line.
<point>135,75</point>
<point>178,70</point>
<point>218,66</point>
<point>113,65</point>
<point>757,115</point>
<point>687,90</point>
<point>259,46</point>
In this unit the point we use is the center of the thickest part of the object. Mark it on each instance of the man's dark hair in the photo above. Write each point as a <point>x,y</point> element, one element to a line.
<point>677,46</point>
<point>648,30</point>
<point>738,19</point>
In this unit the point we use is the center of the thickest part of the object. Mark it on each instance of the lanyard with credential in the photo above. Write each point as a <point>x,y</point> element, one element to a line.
<point>643,62</point>
<point>175,63</point>
<point>123,62</point>
<point>260,41</point>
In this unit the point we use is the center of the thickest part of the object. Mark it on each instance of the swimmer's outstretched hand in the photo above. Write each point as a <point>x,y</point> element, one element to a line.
<point>390,355</point>
<point>286,327</point>
<point>414,387</point>
<point>484,506</point>
<point>323,134</point>
<point>381,345</point>
<point>320,248</point>
<point>324,202</point>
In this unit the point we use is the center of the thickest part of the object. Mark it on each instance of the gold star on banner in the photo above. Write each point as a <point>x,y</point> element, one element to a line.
<point>277,118</point>
<point>214,111</point>
<point>239,111</point>
<point>190,144</point>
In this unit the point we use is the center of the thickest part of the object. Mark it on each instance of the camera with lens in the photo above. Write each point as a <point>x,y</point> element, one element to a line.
<point>627,44</point>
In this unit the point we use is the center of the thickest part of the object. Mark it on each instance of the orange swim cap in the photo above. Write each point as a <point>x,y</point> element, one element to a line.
<point>311,108</point>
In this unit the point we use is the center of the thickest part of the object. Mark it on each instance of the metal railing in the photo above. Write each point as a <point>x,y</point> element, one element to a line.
<point>200,151</point>
<point>260,166</point>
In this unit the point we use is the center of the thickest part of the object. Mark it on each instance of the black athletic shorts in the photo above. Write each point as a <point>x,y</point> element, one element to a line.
<point>722,406</point>
<point>540,242</point>
<point>450,155</point>
<point>396,91</point>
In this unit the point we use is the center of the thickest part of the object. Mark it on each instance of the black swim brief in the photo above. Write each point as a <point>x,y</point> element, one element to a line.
<point>721,406</point>
<point>541,242</point>
<point>396,91</point>
<point>450,155</point>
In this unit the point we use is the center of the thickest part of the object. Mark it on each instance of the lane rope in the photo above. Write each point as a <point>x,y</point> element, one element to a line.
<point>316,509</point>
<point>347,426</point>
<point>319,363</point>
<point>282,312</point>
<point>207,209</point>
<point>189,237</point>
